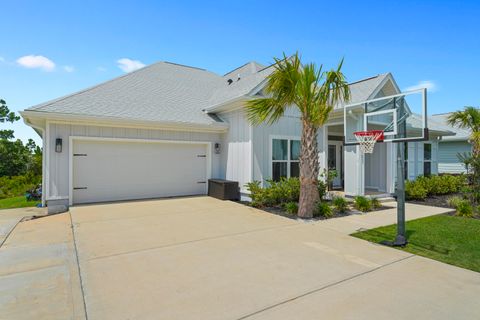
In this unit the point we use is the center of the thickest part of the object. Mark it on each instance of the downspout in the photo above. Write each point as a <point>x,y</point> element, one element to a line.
<point>43,158</point>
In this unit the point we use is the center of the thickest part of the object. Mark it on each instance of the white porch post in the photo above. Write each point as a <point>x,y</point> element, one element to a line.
<point>322,140</point>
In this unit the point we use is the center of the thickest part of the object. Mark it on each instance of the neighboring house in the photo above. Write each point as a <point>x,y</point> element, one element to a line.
<point>164,130</point>
<point>450,146</point>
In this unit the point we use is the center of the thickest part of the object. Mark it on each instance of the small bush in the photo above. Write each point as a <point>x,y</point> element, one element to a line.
<point>415,190</point>
<point>375,203</point>
<point>464,209</point>
<point>362,204</point>
<point>322,189</point>
<point>17,185</point>
<point>454,201</point>
<point>340,204</point>
<point>323,210</point>
<point>291,207</point>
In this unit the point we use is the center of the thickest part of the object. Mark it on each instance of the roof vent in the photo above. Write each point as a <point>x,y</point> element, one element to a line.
<point>229,81</point>
<point>238,77</point>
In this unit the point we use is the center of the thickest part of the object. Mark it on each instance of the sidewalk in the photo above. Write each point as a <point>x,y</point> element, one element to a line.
<point>370,220</point>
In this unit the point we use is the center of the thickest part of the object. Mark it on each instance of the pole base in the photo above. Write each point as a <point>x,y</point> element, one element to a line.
<point>400,241</point>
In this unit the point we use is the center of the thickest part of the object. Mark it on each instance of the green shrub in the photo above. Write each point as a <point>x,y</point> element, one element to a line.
<point>362,203</point>
<point>464,209</point>
<point>375,203</point>
<point>276,192</point>
<point>17,185</point>
<point>340,204</point>
<point>323,209</point>
<point>322,189</point>
<point>291,207</point>
<point>454,201</point>
<point>415,190</point>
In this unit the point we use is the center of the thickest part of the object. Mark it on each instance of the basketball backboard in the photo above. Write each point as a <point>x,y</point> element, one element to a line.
<point>402,117</point>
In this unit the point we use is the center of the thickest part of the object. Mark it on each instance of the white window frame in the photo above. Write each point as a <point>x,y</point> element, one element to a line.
<point>289,160</point>
<point>431,156</point>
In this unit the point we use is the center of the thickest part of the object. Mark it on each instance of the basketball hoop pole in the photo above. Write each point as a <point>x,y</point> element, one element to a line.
<point>400,239</point>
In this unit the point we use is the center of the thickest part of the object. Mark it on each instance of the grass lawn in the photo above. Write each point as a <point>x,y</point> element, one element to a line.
<point>16,202</point>
<point>453,240</point>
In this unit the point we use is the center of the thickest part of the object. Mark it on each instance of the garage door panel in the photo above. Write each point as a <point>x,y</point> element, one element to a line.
<point>133,170</point>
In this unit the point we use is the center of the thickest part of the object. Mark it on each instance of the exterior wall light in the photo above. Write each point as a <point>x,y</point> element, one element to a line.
<point>58,145</point>
<point>217,148</point>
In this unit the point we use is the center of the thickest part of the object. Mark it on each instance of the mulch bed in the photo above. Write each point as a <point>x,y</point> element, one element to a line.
<point>436,201</point>
<point>278,210</point>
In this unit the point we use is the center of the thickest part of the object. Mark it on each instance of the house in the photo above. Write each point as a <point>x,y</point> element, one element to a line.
<point>165,129</point>
<point>450,146</point>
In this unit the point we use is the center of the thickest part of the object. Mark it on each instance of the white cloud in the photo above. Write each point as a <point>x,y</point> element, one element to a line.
<point>128,65</point>
<point>430,85</point>
<point>68,68</point>
<point>39,62</point>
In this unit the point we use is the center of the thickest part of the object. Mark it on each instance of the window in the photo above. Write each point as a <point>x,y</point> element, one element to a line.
<point>285,158</point>
<point>427,159</point>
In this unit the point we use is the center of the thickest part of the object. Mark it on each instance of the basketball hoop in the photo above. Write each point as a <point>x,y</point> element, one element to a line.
<point>367,139</point>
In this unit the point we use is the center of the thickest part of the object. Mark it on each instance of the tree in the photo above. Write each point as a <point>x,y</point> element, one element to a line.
<point>15,157</point>
<point>6,116</point>
<point>468,118</point>
<point>314,93</point>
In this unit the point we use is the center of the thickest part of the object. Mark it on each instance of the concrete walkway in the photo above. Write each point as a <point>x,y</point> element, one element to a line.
<point>201,258</point>
<point>9,218</point>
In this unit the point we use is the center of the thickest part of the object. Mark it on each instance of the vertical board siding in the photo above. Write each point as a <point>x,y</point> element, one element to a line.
<point>288,126</point>
<point>447,156</point>
<point>236,149</point>
<point>59,162</point>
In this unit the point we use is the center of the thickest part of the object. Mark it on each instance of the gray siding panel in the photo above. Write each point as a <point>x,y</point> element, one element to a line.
<point>59,162</point>
<point>447,156</point>
<point>236,149</point>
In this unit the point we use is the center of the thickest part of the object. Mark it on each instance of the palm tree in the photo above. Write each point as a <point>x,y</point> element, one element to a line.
<point>314,93</point>
<point>468,118</point>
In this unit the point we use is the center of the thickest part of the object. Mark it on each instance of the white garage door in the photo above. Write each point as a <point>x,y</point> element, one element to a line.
<point>109,171</point>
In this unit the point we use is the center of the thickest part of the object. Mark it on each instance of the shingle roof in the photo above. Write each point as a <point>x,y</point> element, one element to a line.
<point>163,92</point>
<point>460,134</point>
<point>169,92</point>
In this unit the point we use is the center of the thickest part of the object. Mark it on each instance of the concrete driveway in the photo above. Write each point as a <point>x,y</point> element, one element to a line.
<point>201,258</point>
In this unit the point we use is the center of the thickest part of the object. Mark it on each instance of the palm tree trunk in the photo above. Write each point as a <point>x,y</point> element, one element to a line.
<point>309,169</point>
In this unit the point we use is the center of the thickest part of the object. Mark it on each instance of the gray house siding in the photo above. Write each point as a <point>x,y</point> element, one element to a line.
<point>58,163</point>
<point>447,156</point>
<point>236,163</point>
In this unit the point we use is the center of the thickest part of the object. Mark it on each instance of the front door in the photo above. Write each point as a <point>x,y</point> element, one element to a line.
<point>335,161</point>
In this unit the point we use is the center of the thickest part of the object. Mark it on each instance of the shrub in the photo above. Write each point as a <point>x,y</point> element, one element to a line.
<point>464,208</point>
<point>454,201</point>
<point>322,189</point>
<point>415,190</point>
<point>375,203</point>
<point>291,207</point>
<point>323,209</point>
<point>17,185</point>
<point>340,204</point>
<point>276,193</point>
<point>362,203</point>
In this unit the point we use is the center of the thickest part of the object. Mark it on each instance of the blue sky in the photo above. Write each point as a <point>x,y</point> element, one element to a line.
<point>69,45</point>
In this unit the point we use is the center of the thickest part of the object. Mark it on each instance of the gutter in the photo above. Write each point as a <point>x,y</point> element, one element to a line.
<point>117,122</point>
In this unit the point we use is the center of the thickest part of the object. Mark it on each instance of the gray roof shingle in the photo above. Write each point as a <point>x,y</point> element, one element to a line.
<point>169,92</point>
<point>459,133</point>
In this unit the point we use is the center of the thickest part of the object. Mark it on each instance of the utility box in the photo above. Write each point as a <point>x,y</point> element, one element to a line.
<point>223,189</point>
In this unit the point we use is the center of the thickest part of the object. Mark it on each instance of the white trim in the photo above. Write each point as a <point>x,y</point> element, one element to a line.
<point>376,113</point>
<point>47,160</point>
<point>207,144</point>
<point>124,123</point>
<point>270,154</point>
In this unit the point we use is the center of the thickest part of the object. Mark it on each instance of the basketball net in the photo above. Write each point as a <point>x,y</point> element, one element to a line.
<point>367,139</point>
